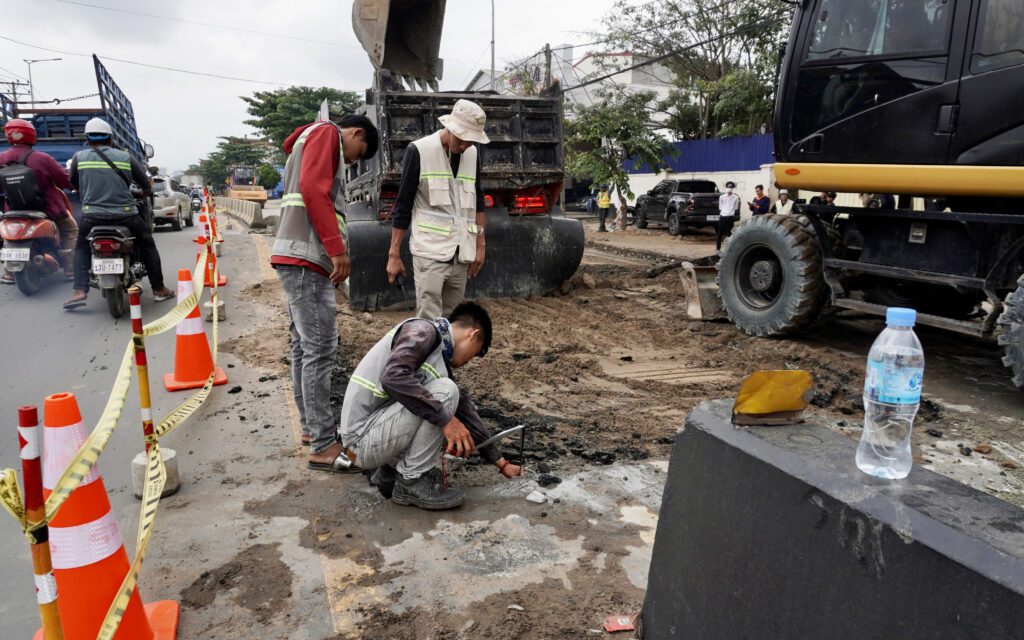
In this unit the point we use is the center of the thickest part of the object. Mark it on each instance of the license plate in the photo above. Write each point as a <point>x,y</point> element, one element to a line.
<point>713,218</point>
<point>20,254</point>
<point>105,266</point>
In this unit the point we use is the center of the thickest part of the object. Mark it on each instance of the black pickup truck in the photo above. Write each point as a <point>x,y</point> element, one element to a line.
<point>678,204</point>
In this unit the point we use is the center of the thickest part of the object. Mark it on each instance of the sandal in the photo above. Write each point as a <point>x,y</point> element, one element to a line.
<point>344,462</point>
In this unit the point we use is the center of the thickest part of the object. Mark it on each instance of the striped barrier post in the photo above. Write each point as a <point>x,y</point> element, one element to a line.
<point>35,511</point>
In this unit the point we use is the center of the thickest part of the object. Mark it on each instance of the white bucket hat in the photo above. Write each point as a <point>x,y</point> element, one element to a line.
<point>467,122</point>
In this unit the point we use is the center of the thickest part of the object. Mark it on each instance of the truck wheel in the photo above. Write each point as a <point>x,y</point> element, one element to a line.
<point>640,217</point>
<point>770,278</point>
<point>675,226</point>
<point>176,221</point>
<point>1012,336</point>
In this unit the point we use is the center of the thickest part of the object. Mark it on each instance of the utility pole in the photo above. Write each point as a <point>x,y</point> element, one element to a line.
<point>547,65</point>
<point>14,84</point>
<point>494,81</point>
<point>31,90</point>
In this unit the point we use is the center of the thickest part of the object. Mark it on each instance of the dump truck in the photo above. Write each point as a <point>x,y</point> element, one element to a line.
<point>916,98</point>
<point>242,185</point>
<point>532,248</point>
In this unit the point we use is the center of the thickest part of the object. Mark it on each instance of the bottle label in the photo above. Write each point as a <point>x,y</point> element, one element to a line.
<point>893,384</point>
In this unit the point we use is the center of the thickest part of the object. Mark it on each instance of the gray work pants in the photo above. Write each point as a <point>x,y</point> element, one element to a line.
<point>396,436</point>
<point>311,306</point>
<point>440,286</point>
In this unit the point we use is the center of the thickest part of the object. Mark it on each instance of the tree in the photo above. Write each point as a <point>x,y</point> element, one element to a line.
<point>602,135</point>
<point>268,176</point>
<point>231,150</point>
<point>275,114</point>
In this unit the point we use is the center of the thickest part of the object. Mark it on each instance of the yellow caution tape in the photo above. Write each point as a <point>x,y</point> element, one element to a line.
<point>10,496</point>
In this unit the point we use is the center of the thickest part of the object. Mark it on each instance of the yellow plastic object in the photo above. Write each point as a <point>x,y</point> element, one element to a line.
<point>773,397</point>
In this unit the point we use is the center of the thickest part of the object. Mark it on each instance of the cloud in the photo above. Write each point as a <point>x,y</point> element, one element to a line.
<point>182,115</point>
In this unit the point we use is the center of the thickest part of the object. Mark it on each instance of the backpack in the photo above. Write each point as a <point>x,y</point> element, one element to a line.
<point>20,187</point>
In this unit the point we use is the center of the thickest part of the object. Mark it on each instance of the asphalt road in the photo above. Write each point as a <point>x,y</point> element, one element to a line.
<point>47,350</point>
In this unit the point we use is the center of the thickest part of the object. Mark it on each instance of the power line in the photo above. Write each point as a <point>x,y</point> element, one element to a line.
<point>16,75</point>
<point>142,64</point>
<point>472,68</point>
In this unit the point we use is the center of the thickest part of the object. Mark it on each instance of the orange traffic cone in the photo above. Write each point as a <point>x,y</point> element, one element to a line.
<point>211,259</point>
<point>89,560</point>
<point>192,360</point>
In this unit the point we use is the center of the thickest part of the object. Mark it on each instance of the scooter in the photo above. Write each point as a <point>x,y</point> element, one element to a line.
<point>31,248</point>
<point>116,265</point>
<point>197,204</point>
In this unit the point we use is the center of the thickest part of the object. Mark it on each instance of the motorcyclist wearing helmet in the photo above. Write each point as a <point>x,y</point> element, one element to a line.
<point>107,200</point>
<point>50,178</point>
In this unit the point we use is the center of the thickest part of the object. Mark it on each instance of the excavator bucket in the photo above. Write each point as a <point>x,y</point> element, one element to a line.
<point>402,36</point>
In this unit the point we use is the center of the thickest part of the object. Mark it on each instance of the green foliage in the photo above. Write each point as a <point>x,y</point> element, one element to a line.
<point>267,176</point>
<point>743,104</point>
<point>599,137</point>
<point>231,151</point>
<point>275,114</point>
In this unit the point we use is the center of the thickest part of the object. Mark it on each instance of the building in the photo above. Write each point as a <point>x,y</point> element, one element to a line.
<point>652,77</point>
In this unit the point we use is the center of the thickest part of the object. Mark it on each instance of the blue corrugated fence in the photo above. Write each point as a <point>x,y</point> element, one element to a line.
<point>742,153</point>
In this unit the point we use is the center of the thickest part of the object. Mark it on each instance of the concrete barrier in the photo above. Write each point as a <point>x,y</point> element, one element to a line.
<point>773,532</point>
<point>251,213</point>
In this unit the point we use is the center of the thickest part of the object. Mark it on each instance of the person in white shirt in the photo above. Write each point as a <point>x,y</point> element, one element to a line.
<point>784,205</point>
<point>728,211</point>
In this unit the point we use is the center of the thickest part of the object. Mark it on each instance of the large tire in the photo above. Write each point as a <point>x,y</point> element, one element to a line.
<point>770,278</point>
<point>640,217</point>
<point>176,221</point>
<point>29,280</point>
<point>1012,337</point>
<point>675,225</point>
<point>115,301</point>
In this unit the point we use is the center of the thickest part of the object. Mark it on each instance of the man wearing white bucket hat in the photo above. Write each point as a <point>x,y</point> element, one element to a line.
<point>441,202</point>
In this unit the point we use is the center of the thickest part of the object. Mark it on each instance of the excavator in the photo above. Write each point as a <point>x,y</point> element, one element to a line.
<point>920,100</point>
<point>532,248</point>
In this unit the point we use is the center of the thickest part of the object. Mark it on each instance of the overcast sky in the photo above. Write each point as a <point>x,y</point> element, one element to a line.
<point>182,115</point>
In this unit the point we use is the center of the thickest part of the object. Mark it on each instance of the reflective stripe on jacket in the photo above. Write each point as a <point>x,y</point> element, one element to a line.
<point>444,210</point>
<point>103,190</point>
<point>296,236</point>
<point>364,394</point>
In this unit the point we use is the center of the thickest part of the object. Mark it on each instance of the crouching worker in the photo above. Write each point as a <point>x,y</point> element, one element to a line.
<point>402,408</point>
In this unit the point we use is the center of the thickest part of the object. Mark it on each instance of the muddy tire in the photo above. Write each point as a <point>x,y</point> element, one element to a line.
<point>770,278</point>
<point>1012,337</point>
<point>675,225</point>
<point>640,217</point>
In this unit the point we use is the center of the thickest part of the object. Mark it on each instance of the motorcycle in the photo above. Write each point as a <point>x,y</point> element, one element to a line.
<point>116,265</point>
<point>31,248</point>
<point>197,204</point>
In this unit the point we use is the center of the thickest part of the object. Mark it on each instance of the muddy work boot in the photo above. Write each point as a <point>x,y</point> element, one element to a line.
<point>427,492</point>
<point>384,479</point>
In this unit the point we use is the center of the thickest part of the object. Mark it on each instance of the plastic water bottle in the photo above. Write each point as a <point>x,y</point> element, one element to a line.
<point>892,395</point>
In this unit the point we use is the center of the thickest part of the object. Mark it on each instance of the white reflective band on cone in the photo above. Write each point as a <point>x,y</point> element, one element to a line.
<point>31,437</point>
<point>61,444</point>
<point>85,544</point>
<point>191,326</point>
<point>185,289</point>
<point>46,589</point>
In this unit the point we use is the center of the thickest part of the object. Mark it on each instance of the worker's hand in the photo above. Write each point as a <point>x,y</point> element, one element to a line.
<point>478,263</point>
<point>460,442</point>
<point>341,269</point>
<point>510,470</point>
<point>395,268</point>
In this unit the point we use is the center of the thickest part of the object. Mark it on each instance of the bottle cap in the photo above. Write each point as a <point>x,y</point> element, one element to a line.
<point>899,317</point>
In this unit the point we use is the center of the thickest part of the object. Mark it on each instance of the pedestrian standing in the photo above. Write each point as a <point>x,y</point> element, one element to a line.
<point>761,202</point>
<point>728,209</point>
<point>441,202</point>
<point>310,258</point>
<point>783,205</point>
<point>604,203</point>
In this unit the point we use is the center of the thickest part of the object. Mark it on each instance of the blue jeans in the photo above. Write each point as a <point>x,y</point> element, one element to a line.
<point>311,306</point>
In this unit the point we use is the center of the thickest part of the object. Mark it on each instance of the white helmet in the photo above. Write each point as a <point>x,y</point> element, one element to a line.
<point>98,127</point>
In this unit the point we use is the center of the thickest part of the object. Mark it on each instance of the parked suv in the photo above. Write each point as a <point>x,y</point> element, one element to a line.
<point>171,204</point>
<point>678,204</point>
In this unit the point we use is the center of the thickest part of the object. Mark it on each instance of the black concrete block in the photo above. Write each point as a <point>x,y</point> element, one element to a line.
<point>772,533</point>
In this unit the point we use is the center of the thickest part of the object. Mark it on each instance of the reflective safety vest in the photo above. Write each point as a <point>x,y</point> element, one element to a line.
<point>785,208</point>
<point>296,235</point>
<point>604,200</point>
<point>364,395</point>
<point>444,210</point>
<point>103,192</point>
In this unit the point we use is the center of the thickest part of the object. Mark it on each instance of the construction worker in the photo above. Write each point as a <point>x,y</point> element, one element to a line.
<point>441,201</point>
<point>783,205</point>
<point>604,203</point>
<point>402,409</point>
<point>50,178</point>
<point>728,210</point>
<point>103,176</point>
<point>311,261</point>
